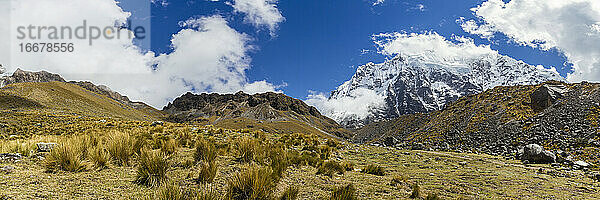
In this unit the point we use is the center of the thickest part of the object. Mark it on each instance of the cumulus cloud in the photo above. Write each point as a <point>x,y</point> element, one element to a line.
<point>208,55</point>
<point>260,13</point>
<point>359,104</point>
<point>430,45</point>
<point>471,26</point>
<point>571,26</point>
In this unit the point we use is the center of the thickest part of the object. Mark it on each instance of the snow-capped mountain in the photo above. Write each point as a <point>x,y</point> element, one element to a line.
<point>421,83</point>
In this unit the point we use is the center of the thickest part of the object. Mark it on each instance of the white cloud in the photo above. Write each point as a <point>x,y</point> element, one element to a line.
<point>260,13</point>
<point>357,105</point>
<point>430,45</point>
<point>471,26</point>
<point>571,26</point>
<point>208,55</point>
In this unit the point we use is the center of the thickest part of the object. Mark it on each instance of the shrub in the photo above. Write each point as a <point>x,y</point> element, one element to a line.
<point>66,157</point>
<point>416,191</point>
<point>152,169</point>
<point>205,151</point>
<point>120,146</point>
<point>347,192</point>
<point>253,183</point>
<point>290,193</point>
<point>330,167</point>
<point>375,170</point>
<point>99,157</point>
<point>208,172</point>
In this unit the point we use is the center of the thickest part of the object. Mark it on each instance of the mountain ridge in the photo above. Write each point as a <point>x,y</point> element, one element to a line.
<point>272,112</point>
<point>418,84</point>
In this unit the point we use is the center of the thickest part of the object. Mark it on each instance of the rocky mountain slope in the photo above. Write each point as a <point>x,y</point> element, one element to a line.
<point>20,76</point>
<point>556,115</point>
<point>421,83</point>
<point>271,112</point>
<point>49,92</point>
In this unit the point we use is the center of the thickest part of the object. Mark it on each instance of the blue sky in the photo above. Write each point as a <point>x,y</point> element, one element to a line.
<point>321,43</point>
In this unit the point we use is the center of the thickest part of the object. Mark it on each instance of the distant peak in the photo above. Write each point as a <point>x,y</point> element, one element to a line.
<point>22,76</point>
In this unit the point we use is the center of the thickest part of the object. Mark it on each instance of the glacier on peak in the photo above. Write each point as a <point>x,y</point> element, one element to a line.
<point>420,83</point>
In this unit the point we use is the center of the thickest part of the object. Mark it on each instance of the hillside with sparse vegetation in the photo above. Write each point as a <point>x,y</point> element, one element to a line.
<point>59,140</point>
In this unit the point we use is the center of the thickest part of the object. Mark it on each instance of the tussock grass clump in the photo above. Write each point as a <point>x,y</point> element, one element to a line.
<point>205,151</point>
<point>432,196</point>
<point>416,191</point>
<point>374,170</point>
<point>152,169</point>
<point>332,143</point>
<point>253,183</point>
<point>208,172</point>
<point>120,147</point>
<point>398,180</point>
<point>99,157</point>
<point>347,192</point>
<point>171,191</point>
<point>25,148</point>
<point>290,193</point>
<point>66,156</point>
<point>208,193</point>
<point>185,138</point>
<point>168,146</point>
<point>311,159</point>
<point>276,158</point>
<point>247,149</point>
<point>349,166</point>
<point>331,167</point>
<point>86,143</point>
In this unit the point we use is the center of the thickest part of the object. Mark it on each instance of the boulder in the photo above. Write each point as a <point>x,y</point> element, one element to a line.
<point>546,95</point>
<point>581,164</point>
<point>534,153</point>
<point>45,147</point>
<point>156,123</point>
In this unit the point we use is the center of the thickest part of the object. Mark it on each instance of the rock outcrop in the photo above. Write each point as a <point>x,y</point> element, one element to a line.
<point>20,76</point>
<point>546,95</point>
<point>534,153</point>
<point>262,108</point>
